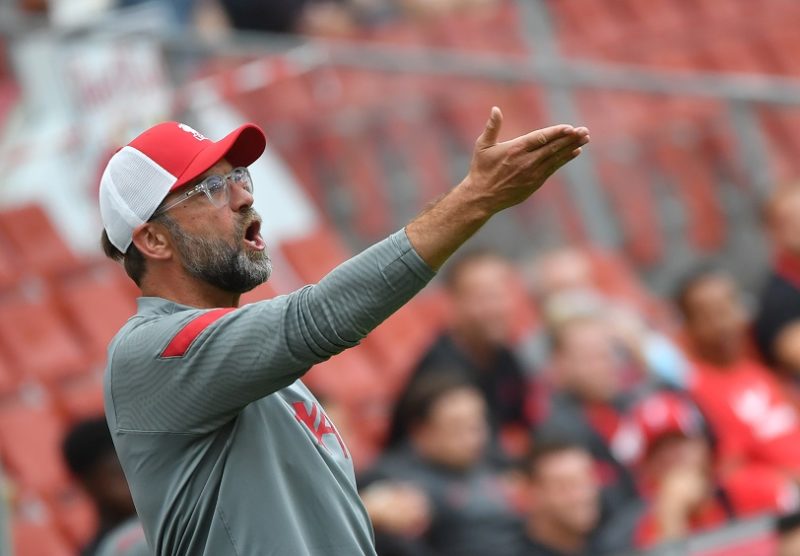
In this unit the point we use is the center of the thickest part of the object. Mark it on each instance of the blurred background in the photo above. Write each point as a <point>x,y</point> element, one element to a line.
<point>613,366</point>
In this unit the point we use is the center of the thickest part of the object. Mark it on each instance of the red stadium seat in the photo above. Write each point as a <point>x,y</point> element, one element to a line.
<point>96,306</point>
<point>75,515</point>
<point>316,254</point>
<point>35,533</point>
<point>38,341</point>
<point>629,190</point>
<point>262,292</point>
<point>9,273</point>
<point>30,440</point>
<point>695,185</point>
<point>8,378</point>
<point>82,396</point>
<point>37,245</point>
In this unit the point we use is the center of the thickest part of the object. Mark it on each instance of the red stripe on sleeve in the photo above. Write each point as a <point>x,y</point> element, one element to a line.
<point>180,343</point>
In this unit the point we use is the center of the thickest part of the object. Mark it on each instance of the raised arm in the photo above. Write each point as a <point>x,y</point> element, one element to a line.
<point>245,354</point>
<point>501,175</point>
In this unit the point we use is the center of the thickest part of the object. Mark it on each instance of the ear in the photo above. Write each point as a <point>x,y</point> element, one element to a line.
<point>153,241</point>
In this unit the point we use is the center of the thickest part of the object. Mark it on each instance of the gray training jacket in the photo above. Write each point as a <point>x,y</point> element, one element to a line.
<point>226,452</point>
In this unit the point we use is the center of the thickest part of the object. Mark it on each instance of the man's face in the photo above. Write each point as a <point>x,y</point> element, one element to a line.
<point>565,490</point>
<point>562,271</point>
<point>586,362</point>
<point>676,451</point>
<point>456,431</point>
<point>107,485</point>
<point>220,246</point>
<point>785,222</point>
<point>715,317</point>
<point>483,301</point>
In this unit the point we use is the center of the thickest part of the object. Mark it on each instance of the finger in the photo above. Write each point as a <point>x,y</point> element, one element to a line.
<point>542,138</point>
<point>492,130</point>
<point>559,161</point>
<point>556,146</point>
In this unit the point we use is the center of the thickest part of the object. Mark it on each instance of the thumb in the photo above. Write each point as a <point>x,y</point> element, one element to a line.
<point>492,131</point>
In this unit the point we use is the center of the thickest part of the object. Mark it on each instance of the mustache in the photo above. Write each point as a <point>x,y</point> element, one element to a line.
<point>249,216</point>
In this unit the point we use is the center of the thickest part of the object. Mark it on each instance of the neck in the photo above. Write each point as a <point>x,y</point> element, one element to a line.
<point>477,349</point>
<point>187,290</point>
<point>719,357</point>
<point>554,535</point>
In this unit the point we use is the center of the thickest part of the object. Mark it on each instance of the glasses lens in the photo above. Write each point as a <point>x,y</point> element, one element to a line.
<point>217,190</point>
<point>241,176</point>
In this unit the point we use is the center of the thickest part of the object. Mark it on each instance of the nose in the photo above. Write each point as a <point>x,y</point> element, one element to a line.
<point>241,198</point>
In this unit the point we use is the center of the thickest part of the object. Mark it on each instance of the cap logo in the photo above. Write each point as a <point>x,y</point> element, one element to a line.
<point>196,134</point>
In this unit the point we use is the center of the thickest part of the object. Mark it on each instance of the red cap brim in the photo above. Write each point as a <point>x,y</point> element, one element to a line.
<point>241,147</point>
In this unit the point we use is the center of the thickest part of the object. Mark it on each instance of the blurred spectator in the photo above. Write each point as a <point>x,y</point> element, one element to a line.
<point>563,284</point>
<point>290,16</point>
<point>786,350</point>
<point>476,343</point>
<point>564,497</point>
<point>588,406</point>
<point>445,457</point>
<point>757,428</point>
<point>680,494</point>
<point>125,540</point>
<point>400,514</point>
<point>90,456</point>
<point>780,298</point>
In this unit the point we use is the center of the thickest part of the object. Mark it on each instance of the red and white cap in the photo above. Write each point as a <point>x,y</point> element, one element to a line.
<point>665,414</point>
<point>165,157</point>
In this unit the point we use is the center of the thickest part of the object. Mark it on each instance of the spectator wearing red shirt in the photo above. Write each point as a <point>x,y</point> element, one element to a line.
<point>757,428</point>
<point>676,474</point>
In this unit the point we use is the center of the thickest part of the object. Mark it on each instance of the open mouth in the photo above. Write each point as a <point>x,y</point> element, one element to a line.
<point>252,236</point>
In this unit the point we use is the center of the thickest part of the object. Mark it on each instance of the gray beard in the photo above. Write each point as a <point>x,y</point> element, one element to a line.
<point>219,263</point>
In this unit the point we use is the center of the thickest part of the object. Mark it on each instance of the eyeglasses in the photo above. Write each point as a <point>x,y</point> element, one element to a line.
<point>216,188</point>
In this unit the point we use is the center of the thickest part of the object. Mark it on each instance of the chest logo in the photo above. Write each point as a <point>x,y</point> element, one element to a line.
<point>318,423</point>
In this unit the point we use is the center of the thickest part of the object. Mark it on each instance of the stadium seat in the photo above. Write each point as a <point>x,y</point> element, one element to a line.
<point>8,378</point>
<point>399,342</point>
<point>695,187</point>
<point>39,343</point>
<point>30,440</point>
<point>9,273</point>
<point>81,396</point>
<point>95,306</point>
<point>628,188</point>
<point>37,245</point>
<point>75,514</point>
<point>316,254</point>
<point>35,533</point>
<point>262,292</point>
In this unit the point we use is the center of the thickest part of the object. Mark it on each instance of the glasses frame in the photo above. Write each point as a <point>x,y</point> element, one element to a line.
<point>203,187</point>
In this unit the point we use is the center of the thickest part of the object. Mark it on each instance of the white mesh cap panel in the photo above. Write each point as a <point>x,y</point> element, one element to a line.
<point>131,189</point>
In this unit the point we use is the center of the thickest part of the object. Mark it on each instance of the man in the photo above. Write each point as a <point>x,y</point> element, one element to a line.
<point>445,457</point>
<point>565,500</point>
<point>89,453</point>
<point>226,452</point>
<point>756,427</point>
<point>676,473</point>
<point>476,342</point>
<point>588,405</point>
<point>563,283</point>
<point>779,303</point>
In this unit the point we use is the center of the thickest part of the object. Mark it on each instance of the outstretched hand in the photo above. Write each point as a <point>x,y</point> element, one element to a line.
<point>507,173</point>
<point>501,175</point>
